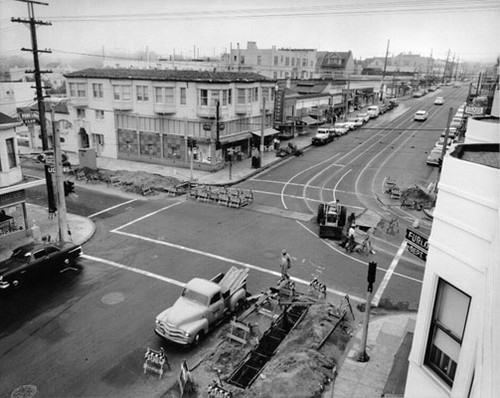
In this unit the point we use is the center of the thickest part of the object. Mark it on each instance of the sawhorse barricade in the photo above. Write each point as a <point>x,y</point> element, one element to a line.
<point>154,361</point>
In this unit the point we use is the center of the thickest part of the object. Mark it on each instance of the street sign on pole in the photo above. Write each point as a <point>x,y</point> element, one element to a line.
<point>418,243</point>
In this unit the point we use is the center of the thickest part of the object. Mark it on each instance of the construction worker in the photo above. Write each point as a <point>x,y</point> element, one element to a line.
<point>351,243</point>
<point>286,263</point>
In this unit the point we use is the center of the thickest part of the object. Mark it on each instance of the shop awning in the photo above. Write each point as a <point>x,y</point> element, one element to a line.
<point>267,132</point>
<point>310,121</point>
<point>243,135</point>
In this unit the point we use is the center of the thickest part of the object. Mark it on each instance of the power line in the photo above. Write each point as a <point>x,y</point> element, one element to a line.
<point>335,9</point>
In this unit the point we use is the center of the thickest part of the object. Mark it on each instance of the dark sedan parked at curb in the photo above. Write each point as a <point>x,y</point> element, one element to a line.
<point>34,260</point>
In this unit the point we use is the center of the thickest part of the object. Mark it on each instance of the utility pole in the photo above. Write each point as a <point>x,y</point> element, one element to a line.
<point>39,90</point>
<point>446,66</point>
<point>383,73</point>
<point>62,218</point>
<point>346,98</point>
<point>262,123</point>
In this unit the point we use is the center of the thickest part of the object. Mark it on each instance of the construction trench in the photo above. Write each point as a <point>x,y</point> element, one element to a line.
<point>250,367</point>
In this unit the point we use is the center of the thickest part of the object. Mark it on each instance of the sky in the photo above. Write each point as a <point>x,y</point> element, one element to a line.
<point>468,30</point>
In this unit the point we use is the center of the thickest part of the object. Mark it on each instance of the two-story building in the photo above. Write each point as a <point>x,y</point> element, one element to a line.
<point>13,217</point>
<point>148,115</point>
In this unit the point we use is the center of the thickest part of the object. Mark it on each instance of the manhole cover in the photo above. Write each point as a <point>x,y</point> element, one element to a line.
<point>26,391</point>
<point>113,298</point>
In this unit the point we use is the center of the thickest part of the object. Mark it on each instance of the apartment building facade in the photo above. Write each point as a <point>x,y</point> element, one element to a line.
<point>148,115</point>
<point>274,63</point>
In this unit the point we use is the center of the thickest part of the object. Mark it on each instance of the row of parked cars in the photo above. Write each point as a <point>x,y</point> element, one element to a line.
<point>326,134</point>
<point>457,125</point>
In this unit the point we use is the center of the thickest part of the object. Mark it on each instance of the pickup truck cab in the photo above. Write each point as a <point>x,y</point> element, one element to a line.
<point>322,136</point>
<point>373,111</point>
<point>201,306</point>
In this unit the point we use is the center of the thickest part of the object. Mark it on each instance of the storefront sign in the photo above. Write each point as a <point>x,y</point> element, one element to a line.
<point>12,197</point>
<point>474,110</point>
<point>207,126</point>
<point>279,106</point>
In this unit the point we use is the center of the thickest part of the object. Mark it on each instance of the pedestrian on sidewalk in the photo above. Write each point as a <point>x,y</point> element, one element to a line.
<point>285,265</point>
<point>276,144</point>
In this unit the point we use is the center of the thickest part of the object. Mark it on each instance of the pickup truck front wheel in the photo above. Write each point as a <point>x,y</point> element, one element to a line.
<point>199,336</point>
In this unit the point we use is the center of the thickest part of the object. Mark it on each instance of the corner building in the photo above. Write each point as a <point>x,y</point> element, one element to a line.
<point>148,115</point>
<point>456,345</point>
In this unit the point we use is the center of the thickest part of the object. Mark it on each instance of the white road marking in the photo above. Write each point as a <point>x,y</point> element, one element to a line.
<point>220,258</point>
<point>388,274</point>
<point>133,269</point>
<point>338,182</point>
<point>146,216</point>
<point>112,208</point>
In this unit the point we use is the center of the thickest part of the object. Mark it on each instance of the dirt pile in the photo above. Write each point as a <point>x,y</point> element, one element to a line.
<point>138,182</point>
<point>297,369</point>
<point>417,198</point>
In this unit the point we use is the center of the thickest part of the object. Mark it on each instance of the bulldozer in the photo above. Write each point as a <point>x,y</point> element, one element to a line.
<point>331,219</point>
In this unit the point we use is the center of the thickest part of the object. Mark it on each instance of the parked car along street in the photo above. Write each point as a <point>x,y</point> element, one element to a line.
<point>365,116</point>
<point>341,129</point>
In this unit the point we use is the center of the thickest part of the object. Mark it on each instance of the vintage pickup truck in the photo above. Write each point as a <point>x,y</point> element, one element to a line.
<point>202,305</point>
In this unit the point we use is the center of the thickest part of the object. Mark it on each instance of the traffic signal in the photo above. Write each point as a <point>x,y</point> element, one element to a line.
<point>372,270</point>
<point>69,187</point>
<point>218,145</point>
<point>191,142</point>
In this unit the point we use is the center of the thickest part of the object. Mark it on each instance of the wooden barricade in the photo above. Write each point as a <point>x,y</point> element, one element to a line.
<point>154,361</point>
<point>239,332</point>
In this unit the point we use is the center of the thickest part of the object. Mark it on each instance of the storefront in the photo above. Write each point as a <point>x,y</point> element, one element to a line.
<point>13,224</point>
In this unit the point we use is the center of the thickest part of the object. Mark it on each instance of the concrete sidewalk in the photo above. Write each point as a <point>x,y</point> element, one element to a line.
<point>386,334</point>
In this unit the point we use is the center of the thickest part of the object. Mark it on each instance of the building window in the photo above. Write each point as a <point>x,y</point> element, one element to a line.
<point>256,94</point>
<point>214,96</point>
<point>203,97</point>
<point>142,93</point>
<point>287,61</point>
<point>99,114</point>
<point>447,330</point>
<point>275,60</point>
<point>169,95</point>
<point>241,96</point>
<point>259,59</point>
<point>77,90</point>
<point>242,59</point>
<point>97,90</point>
<point>158,95</point>
<point>293,61</point>
<point>11,153</point>
<point>304,61</point>
<point>121,93</point>
<point>80,113</point>
<point>226,97</point>
<point>275,75</point>
<point>183,95</point>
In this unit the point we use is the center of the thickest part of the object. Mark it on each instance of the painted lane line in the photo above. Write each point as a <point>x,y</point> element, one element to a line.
<point>228,260</point>
<point>133,269</point>
<point>338,182</point>
<point>112,208</point>
<point>146,216</point>
<point>388,274</point>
